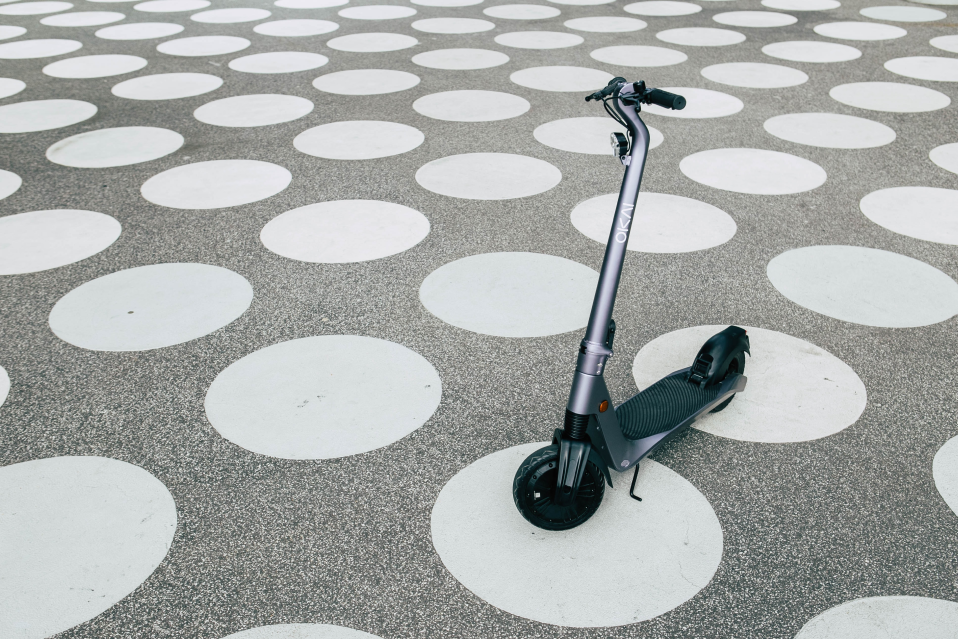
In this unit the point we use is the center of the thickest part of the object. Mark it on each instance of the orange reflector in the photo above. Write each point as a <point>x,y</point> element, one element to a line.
<point>604,406</point>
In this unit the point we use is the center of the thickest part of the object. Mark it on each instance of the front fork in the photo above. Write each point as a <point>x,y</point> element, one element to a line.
<point>588,400</point>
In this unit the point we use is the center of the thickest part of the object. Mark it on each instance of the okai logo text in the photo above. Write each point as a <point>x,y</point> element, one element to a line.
<point>625,220</point>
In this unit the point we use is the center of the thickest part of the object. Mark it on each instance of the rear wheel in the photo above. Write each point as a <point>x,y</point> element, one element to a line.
<point>735,365</point>
<point>534,490</point>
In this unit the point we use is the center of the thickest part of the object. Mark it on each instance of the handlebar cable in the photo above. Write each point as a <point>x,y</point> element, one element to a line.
<point>615,116</point>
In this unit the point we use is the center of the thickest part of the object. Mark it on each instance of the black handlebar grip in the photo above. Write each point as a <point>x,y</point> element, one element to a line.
<point>665,99</point>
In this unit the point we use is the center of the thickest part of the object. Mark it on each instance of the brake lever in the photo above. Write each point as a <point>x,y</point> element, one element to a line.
<point>609,88</point>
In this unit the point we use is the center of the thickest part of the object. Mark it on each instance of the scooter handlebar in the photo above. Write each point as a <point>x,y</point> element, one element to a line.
<point>665,99</point>
<point>640,93</point>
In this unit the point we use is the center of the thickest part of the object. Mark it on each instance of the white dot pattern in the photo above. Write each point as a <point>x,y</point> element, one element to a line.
<point>413,197</point>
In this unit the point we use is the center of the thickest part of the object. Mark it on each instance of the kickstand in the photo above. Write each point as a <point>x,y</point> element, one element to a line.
<point>632,489</point>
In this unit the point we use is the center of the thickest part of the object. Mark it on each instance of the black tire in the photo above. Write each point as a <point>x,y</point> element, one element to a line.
<point>534,486</point>
<point>735,365</point>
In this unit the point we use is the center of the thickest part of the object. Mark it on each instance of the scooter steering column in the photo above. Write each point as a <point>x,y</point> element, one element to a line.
<point>596,348</point>
<point>574,448</point>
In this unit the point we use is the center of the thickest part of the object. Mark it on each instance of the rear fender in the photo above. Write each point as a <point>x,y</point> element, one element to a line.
<point>716,354</point>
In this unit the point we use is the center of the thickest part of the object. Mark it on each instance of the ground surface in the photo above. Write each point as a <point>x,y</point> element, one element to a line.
<point>824,489</point>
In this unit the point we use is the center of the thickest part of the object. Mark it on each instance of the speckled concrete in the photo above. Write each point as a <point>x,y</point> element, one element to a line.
<point>807,526</point>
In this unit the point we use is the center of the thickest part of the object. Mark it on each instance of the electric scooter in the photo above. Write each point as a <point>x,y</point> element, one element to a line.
<point>560,486</point>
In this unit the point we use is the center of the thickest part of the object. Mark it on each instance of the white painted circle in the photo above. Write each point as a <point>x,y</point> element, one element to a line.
<point>944,468</point>
<point>80,534</point>
<point>121,146</point>
<point>372,42</point>
<point>9,183</point>
<point>345,231</point>
<point>538,40</point>
<point>199,46</point>
<point>95,66</point>
<point>922,212</point>
<point>452,25</point>
<point>302,630</point>
<point>759,19</point>
<point>295,28</point>
<point>150,307</point>
<point>4,385</point>
<point>561,78</point>
<point>253,110</point>
<point>358,140</point>
<point>662,8</point>
<point>366,81</point>
<point>754,75</point>
<point>216,184</point>
<point>862,31</point>
<point>946,156</point>
<point>34,8</point>
<point>310,4</point>
<point>7,31</point>
<point>323,397</point>
<point>585,135</point>
<point>582,3</point>
<point>171,6</point>
<point>230,16</point>
<point>865,286</point>
<point>754,171</point>
<point>918,617</point>
<point>167,86</point>
<point>278,62</point>
<point>636,55</point>
<point>662,223</point>
<point>42,240</point>
<point>139,31</point>
<point>890,97</point>
<point>446,3</point>
<point>796,391</point>
<point>606,24</point>
<point>488,176</point>
<point>939,2</point>
<point>471,106</point>
<point>460,59</point>
<point>945,43</point>
<point>9,86</point>
<point>43,115</point>
<point>934,68</point>
<point>522,12</point>
<point>701,37</point>
<point>701,103</point>
<point>903,14</point>
<point>82,19</point>
<point>802,5</point>
<point>811,51</point>
<point>664,549</point>
<point>378,12</point>
<point>830,130</point>
<point>511,294</point>
<point>29,49</point>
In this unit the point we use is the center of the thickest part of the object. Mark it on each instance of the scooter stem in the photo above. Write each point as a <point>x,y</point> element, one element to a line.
<point>594,344</point>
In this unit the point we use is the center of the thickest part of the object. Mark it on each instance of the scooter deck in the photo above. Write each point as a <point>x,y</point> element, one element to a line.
<point>662,406</point>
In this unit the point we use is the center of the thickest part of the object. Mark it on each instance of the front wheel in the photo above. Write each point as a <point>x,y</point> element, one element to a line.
<point>534,488</point>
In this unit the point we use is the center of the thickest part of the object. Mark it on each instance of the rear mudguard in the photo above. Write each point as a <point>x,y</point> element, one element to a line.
<point>714,357</point>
